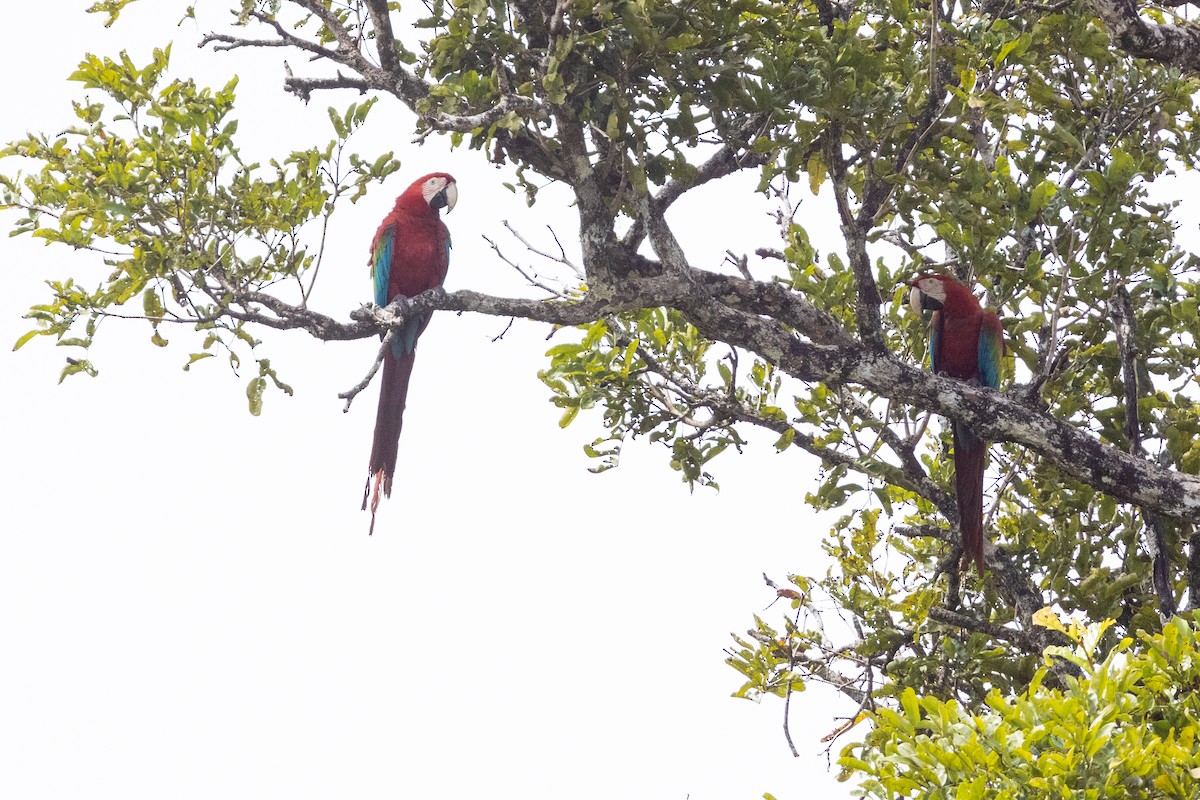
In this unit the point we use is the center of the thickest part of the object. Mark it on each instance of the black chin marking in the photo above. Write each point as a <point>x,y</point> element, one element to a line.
<point>439,200</point>
<point>930,303</point>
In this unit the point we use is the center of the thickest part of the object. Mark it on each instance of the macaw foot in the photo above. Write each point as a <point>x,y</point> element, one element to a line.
<point>396,312</point>
<point>969,381</point>
<point>399,305</point>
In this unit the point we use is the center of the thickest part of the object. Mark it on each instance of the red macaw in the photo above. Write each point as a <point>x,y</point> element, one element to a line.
<point>966,342</point>
<point>409,255</point>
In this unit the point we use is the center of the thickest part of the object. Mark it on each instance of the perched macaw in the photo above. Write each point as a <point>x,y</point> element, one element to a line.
<point>965,342</point>
<point>410,254</point>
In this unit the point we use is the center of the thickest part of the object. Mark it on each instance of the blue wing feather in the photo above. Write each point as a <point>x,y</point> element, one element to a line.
<point>381,264</point>
<point>405,340</point>
<point>382,260</point>
<point>991,351</point>
<point>935,330</point>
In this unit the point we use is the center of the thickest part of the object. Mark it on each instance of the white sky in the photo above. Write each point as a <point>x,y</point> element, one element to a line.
<point>191,607</point>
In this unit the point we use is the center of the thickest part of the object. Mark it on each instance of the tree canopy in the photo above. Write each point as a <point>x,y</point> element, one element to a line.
<point>1014,145</point>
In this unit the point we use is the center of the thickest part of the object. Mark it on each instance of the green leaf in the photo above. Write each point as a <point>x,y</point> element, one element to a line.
<point>254,394</point>
<point>193,358</point>
<point>1041,195</point>
<point>152,304</point>
<point>568,415</point>
<point>111,7</point>
<point>76,366</point>
<point>27,336</point>
<point>816,173</point>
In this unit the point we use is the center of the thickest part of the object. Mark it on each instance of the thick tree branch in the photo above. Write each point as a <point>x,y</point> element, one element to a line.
<point>1025,639</point>
<point>777,301</point>
<point>1171,45</point>
<point>385,40</point>
<point>996,416</point>
<point>866,310</point>
<point>525,107</point>
<point>396,80</point>
<point>1193,567</point>
<point>304,87</point>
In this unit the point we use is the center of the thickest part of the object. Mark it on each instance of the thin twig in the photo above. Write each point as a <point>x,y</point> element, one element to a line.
<point>353,392</point>
<point>500,335</point>
<point>787,699</point>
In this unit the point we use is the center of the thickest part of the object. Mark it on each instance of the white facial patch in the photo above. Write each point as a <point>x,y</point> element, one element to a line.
<point>432,187</point>
<point>914,301</point>
<point>933,289</point>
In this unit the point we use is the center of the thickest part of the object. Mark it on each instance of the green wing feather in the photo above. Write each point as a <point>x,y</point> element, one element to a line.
<point>991,350</point>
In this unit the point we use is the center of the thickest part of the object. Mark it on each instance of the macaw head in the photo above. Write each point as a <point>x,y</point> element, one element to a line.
<point>439,190</point>
<point>934,292</point>
<point>928,293</point>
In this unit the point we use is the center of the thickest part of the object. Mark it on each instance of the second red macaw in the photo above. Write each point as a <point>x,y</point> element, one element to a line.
<point>966,342</point>
<point>409,255</point>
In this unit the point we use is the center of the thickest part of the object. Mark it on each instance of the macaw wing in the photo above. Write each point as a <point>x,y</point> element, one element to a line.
<point>385,254</point>
<point>381,262</point>
<point>935,338</point>
<point>991,350</point>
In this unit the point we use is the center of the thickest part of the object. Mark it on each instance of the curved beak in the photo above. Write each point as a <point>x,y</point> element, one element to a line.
<point>446,198</point>
<point>921,302</point>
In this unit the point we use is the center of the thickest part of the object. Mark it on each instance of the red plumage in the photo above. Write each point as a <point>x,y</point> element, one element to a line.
<point>967,342</point>
<point>389,420</point>
<point>409,255</point>
<point>970,462</point>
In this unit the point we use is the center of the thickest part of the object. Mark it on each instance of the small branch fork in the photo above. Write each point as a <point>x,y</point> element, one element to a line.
<point>821,667</point>
<point>389,75</point>
<point>563,291</point>
<point>818,667</point>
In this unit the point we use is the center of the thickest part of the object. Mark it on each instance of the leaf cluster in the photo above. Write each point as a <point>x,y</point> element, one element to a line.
<point>1125,725</point>
<point>151,178</point>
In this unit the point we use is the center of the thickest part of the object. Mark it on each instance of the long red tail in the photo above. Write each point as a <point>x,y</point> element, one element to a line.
<point>970,455</point>
<point>389,419</point>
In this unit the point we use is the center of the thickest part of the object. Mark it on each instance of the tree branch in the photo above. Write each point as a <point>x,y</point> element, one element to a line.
<point>1171,45</point>
<point>385,40</point>
<point>995,416</point>
<point>1012,582</point>
<point>917,483</point>
<point>524,107</point>
<point>1155,539</point>
<point>1018,637</point>
<point>734,155</point>
<point>777,301</point>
